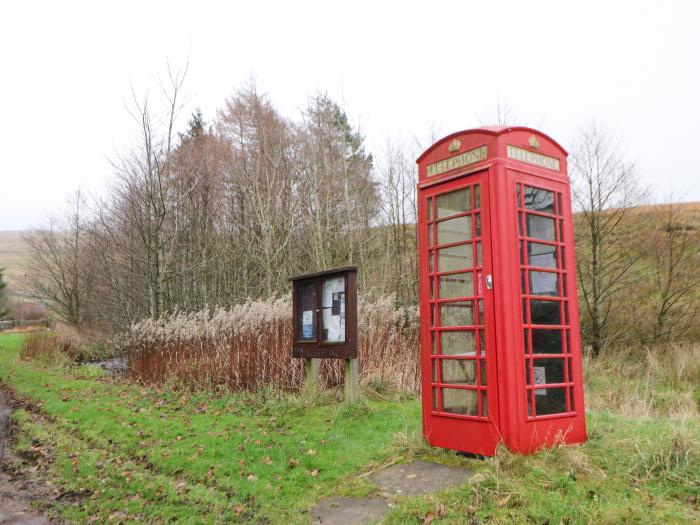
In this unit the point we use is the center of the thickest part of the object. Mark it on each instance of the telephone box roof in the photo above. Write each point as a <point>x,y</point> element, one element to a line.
<point>494,131</point>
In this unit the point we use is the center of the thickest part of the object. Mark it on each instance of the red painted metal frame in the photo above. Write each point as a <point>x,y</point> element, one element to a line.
<point>508,421</point>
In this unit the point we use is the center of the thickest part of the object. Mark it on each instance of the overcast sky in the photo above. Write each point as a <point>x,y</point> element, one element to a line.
<point>400,69</point>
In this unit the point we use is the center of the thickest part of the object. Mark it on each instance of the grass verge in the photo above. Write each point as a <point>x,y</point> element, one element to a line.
<point>123,453</point>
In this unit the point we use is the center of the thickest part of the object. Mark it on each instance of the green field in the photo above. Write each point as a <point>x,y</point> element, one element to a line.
<point>124,453</point>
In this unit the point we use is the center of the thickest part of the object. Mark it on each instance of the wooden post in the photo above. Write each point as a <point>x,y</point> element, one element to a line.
<point>352,381</point>
<point>312,368</point>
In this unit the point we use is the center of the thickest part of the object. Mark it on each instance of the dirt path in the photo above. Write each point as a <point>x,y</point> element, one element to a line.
<point>17,491</point>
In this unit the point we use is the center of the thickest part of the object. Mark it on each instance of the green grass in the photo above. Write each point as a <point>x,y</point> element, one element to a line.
<point>125,453</point>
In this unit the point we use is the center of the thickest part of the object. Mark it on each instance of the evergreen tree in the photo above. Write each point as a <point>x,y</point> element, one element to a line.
<point>3,295</point>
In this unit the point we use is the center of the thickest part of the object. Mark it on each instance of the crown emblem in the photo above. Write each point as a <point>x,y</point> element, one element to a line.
<point>534,143</point>
<point>454,146</point>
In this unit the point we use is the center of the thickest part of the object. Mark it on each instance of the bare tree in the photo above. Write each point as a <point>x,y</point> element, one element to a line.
<point>605,188</point>
<point>60,270</point>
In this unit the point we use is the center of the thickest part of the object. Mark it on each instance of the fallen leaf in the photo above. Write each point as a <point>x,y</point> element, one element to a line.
<point>428,518</point>
<point>503,501</point>
<point>440,511</point>
<point>251,477</point>
<point>314,472</point>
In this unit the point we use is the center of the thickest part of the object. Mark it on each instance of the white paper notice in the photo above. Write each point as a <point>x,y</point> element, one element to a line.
<point>334,309</point>
<point>540,379</point>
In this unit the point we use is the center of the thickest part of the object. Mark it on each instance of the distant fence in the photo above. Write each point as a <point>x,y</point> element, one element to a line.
<point>24,323</point>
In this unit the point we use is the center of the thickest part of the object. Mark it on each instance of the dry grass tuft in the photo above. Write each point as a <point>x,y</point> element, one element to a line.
<point>645,382</point>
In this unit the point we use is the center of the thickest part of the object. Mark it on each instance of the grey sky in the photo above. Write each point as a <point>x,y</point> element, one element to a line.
<point>399,68</point>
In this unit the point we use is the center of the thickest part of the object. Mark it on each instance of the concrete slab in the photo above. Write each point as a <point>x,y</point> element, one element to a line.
<point>419,477</point>
<point>340,510</point>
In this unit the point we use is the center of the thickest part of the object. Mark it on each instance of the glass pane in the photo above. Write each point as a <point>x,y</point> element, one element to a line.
<point>454,230</point>
<point>482,342</point>
<point>477,197</point>
<point>435,398</point>
<point>435,367</point>
<point>484,404</point>
<point>456,285</point>
<point>430,234</point>
<point>430,209</point>
<point>458,371</point>
<point>540,227</point>
<point>544,312</point>
<point>571,399</point>
<point>455,258</point>
<point>457,343</point>
<point>333,308</point>
<point>306,300</point>
<point>550,401</point>
<point>433,342</point>
<point>457,401</point>
<point>548,371</point>
<point>478,253</point>
<point>431,268</point>
<point>543,283</point>
<point>452,203</point>
<point>477,221</point>
<point>517,196</point>
<point>542,255</point>
<point>456,314</point>
<point>432,284</point>
<point>546,341</point>
<point>483,372</point>
<point>539,200</point>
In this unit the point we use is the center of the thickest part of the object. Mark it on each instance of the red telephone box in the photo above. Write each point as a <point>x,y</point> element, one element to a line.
<point>500,339</point>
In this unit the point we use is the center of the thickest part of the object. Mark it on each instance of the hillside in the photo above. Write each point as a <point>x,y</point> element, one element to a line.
<point>14,255</point>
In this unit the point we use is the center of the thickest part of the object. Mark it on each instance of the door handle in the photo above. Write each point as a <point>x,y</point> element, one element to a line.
<point>489,281</point>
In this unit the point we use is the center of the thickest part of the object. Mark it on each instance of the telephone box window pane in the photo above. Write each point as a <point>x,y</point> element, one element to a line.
<point>478,253</point>
<point>430,234</point>
<point>539,200</point>
<point>477,221</point>
<point>563,259</point>
<point>430,209</point>
<point>457,314</point>
<point>454,230</point>
<point>333,307</point>
<point>435,398</point>
<point>456,285</point>
<point>453,203</point>
<point>457,343</point>
<point>571,400</point>
<point>432,284</point>
<point>549,371</point>
<point>546,341</point>
<point>540,227</point>
<point>550,401</point>
<point>482,342</point>
<point>433,342</point>
<point>542,255</point>
<point>517,196</point>
<point>457,401</point>
<point>477,197</point>
<point>482,363</point>
<point>307,312</point>
<point>431,267</point>
<point>545,312</point>
<point>435,374</point>
<point>484,404</point>
<point>458,372</point>
<point>455,258</point>
<point>544,283</point>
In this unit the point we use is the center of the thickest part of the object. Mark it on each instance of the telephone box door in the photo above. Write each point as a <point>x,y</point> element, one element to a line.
<point>460,400</point>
